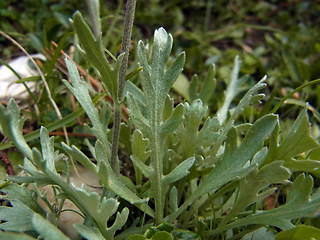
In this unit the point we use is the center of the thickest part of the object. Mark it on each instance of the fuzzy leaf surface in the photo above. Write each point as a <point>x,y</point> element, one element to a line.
<point>253,187</point>
<point>299,204</point>
<point>231,166</point>
<point>88,232</point>
<point>80,91</point>
<point>46,229</point>
<point>12,125</point>
<point>112,182</point>
<point>23,194</point>
<point>18,217</point>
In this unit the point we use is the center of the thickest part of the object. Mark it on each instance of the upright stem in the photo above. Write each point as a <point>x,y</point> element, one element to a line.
<point>94,14</point>
<point>128,23</point>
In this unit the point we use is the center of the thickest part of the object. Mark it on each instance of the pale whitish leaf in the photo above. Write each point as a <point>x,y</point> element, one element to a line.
<point>155,79</point>
<point>18,217</point>
<point>111,182</point>
<point>253,187</point>
<point>299,204</point>
<point>168,108</point>
<point>260,234</point>
<point>80,91</point>
<point>179,171</point>
<point>46,229</point>
<point>232,91</point>
<point>230,167</point>
<point>12,125</point>
<point>95,54</point>
<point>173,72</point>
<point>87,232</point>
<point>298,139</point>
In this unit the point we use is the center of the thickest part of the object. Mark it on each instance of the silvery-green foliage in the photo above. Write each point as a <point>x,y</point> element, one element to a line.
<point>156,123</point>
<point>40,166</point>
<point>189,166</point>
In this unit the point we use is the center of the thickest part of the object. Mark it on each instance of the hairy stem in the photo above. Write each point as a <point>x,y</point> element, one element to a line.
<point>128,23</point>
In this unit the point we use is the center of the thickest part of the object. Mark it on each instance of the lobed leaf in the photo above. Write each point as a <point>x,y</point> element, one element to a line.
<point>298,139</point>
<point>46,229</point>
<point>18,218</point>
<point>80,91</point>
<point>231,166</point>
<point>254,187</point>
<point>12,125</point>
<point>299,204</point>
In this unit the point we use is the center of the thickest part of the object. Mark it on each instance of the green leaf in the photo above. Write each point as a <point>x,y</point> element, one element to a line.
<point>254,187</point>
<point>88,232</point>
<point>173,121</point>
<point>207,89</point>
<point>260,234</point>
<point>299,232</point>
<point>18,218</point>
<point>190,136</point>
<point>179,172</point>
<point>79,156</point>
<point>161,236</point>
<point>306,165</point>
<point>299,204</point>
<point>47,148</point>
<point>250,98</point>
<point>181,86</point>
<point>298,139</point>
<point>95,54</point>
<point>180,234</point>
<point>23,194</point>
<point>111,182</point>
<point>80,91</point>
<point>46,229</point>
<point>12,125</point>
<point>136,237</point>
<point>231,166</point>
<point>173,199</point>
<point>15,236</point>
